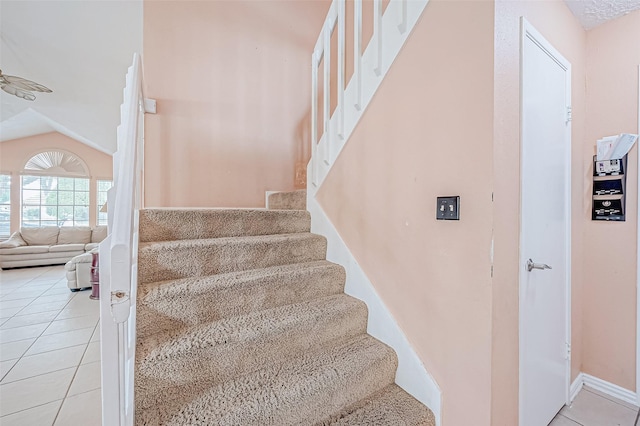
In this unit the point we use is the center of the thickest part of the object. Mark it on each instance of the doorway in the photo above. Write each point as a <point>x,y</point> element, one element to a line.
<point>545,229</point>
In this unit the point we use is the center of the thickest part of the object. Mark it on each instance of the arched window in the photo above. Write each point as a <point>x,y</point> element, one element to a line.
<point>58,163</point>
<point>55,190</point>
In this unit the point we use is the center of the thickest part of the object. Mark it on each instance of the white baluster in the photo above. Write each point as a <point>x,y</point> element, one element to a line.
<point>357,51</point>
<point>377,34</point>
<point>402,26</point>
<point>341,71</point>
<point>314,117</point>
<point>327,91</point>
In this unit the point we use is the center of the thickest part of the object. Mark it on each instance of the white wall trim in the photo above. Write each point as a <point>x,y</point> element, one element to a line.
<point>411,374</point>
<point>576,387</point>
<point>266,197</point>
<point>603,386</point>
<point>638,262</point>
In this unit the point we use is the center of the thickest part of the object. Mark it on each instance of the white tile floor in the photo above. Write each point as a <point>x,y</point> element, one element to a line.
<point>592,408</point>
<point>49,350</point>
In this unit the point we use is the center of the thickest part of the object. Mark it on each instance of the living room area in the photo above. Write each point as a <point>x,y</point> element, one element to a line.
<point>52,218</point>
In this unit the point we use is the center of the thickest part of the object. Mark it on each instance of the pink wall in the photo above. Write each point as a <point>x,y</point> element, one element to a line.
<point>429,132</point>
<point>558,25</point>
<point>15,153</point>
<point>232,81</point>
<point>609,294</point>
<point>462,323</point>
<point>390,155</point>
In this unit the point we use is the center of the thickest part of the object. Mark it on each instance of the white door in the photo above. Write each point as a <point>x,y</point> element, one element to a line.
<point>545,235</point>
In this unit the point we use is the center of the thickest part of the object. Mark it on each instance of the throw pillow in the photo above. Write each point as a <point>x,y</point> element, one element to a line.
<point>15,240</point>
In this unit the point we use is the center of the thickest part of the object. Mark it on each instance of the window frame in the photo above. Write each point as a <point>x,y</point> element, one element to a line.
<point>77,195</point>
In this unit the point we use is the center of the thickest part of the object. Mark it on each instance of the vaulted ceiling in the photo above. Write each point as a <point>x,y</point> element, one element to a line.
<point>81,50</point>
<point>78,49</point>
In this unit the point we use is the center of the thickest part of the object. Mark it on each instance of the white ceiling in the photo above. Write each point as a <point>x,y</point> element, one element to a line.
<point>81,50</point>
<point>78,49</point>
<point>592,13</point>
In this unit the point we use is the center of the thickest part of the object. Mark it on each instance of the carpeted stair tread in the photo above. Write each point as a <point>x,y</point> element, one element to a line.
<point>392,406</point>
<point>173,304</point>
<point>167,260</point>
<point>182,224</point>
<point>288,200</point>
<point>308,387</point>
<point>239,345</point>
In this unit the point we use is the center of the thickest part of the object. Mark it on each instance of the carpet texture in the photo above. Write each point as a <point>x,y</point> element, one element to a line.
<point>292,200</point>
<point>241,321</point>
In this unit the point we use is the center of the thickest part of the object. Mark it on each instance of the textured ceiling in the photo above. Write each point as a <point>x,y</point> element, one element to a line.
<point>592,13</point>
<point>78,49</point>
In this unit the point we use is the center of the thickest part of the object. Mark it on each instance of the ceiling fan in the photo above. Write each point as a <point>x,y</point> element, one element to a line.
<point>21,87</point>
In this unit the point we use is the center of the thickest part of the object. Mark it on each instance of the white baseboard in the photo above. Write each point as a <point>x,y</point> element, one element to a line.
<point>604,387</point>
<point>411,374</point>
<point>266,197</point>
<point>576,387</point>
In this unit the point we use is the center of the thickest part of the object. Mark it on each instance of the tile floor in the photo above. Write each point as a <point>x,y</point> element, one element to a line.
<point>592,408</point>
<point>49,350</point>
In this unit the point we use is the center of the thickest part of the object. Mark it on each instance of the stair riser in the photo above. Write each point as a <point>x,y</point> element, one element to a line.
<point>295,200</point>
<point>208,257</point>
<point>170,224</point>
<point>162,309</point>
<point>223,361</point>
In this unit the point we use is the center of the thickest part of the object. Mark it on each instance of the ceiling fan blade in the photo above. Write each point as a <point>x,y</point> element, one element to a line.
<point>12,90</point>
<point>25,84</point>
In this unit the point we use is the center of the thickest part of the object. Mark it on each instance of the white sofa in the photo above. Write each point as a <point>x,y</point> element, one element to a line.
<point>48,245</point>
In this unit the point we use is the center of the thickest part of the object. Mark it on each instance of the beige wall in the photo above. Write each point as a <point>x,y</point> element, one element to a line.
<point>232,82</point>
<point>609,293</point>
<point>556,23</point>
<point>428,132</point>
<point>15,153</point>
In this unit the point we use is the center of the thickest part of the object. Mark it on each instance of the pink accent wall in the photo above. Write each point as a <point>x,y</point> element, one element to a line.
<point>15,153</point>
<point>232,82</point>
<point>429,132</point>
<point>609,293</point>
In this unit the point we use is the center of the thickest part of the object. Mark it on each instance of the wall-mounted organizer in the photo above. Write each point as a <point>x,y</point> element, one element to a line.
<point>609,189</point>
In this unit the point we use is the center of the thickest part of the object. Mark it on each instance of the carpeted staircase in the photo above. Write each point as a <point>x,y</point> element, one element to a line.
<point>241,321</point>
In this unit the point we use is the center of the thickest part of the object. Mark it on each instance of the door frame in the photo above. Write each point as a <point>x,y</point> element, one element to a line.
<point>528,31</point>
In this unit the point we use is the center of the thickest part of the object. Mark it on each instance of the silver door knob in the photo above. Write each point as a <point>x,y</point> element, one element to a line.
<point>531,265</point>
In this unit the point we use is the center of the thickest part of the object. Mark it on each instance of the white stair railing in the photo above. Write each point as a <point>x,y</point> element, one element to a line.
<point>390,31</point>
<point>119,256</point>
